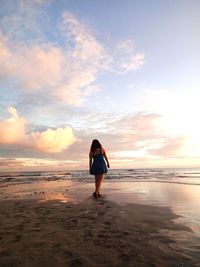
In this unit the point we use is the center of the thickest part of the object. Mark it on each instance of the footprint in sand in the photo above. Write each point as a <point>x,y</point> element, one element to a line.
<point>17,238</point>
<point>88,232</point>
<point>37,229</point>
<point>151,264</point>
<point>67,254</point>
<point>20,227</point>
<point>101,213</point>
<point>75,263</point>
<point>4,252</point>
<point>126,233</point>
<point>124,257</point>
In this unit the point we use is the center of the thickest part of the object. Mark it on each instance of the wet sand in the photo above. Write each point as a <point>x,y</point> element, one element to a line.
<point>66,226</point>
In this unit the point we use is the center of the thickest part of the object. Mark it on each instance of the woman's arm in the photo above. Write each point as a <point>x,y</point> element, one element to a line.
<point>90,161</point>
<point>105,156</point>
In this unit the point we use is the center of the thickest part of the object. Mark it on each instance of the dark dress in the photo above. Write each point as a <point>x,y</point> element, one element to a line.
<point>98,164</point>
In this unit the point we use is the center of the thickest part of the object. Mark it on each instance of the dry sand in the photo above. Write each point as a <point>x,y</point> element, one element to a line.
<point>91,232</point>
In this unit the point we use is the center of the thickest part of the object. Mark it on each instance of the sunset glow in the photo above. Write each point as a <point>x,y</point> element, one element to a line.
<point>126,73</point>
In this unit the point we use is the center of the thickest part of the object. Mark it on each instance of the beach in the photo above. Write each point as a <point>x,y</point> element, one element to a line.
<point>59,223</point>
<point>99,133</point>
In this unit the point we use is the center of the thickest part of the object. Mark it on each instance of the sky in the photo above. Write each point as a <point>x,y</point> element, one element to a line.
<point>123,72</point>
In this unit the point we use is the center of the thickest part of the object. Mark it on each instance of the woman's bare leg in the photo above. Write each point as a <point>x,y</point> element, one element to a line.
<point>96,183</point>
<point>99,182</point>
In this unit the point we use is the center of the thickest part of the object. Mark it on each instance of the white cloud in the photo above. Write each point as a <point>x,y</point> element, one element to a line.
<point>13,132</point>
<point>86,47</point>
<point>86,58</point>
<point>66,72</point>
<point>52,141</point>
<point>140,136</point>
<point>74,90</point>
<point>126,59</point>
<point>32,67</point>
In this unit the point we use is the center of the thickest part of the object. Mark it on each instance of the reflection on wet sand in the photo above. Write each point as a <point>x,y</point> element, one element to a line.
<point>41,190</point>
<point>92,233</point>
<point>148,222</point>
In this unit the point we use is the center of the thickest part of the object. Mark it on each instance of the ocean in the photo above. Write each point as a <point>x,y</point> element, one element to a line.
<point>172,175</point>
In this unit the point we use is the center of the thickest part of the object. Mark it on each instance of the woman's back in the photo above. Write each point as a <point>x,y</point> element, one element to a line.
<point>98,151</point>
<point>98,165</point>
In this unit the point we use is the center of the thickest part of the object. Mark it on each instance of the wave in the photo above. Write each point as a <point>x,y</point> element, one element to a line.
<point>181,176</point>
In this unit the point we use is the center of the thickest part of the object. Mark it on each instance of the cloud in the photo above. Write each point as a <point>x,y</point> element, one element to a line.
<point>180,114</point>
<point>21,19</point>
<point>67,75</point>
<point>127,133</point>
<point>133,140</point>
<point>28,164</point>
<point>170,147</point>
<point>74,90</point>
<point>11,163</point>
<point>32,67</point>
<point>66,70</point>
<point>85,47</point>
<point>136,136</point>
<point>139,124</point>
<point>13,131</point>
<point>126,59</point>
<point>86,58</point>
<point>52,140</point>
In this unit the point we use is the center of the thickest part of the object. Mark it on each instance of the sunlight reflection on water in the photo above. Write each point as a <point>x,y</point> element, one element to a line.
<point>184,200</point>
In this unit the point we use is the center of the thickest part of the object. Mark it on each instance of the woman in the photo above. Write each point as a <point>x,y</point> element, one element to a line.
<point>97,165</point>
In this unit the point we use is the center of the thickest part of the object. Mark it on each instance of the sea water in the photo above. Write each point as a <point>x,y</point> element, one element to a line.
<point>172,175</point>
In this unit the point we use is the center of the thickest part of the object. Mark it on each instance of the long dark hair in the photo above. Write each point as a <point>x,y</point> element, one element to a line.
<point>95,144</point>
